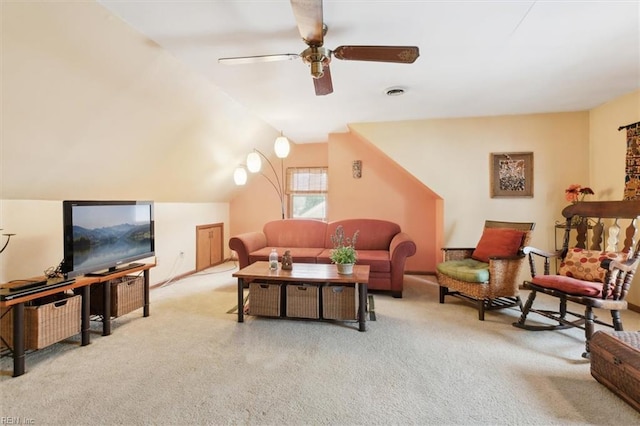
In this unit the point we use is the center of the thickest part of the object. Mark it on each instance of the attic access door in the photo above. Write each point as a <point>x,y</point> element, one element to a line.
<point>209,245</point>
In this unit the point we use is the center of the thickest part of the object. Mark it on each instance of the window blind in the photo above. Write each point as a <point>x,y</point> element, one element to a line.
<point>307,180</point>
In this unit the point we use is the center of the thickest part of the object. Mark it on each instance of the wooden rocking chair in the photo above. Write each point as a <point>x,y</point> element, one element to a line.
<point>596,267</point>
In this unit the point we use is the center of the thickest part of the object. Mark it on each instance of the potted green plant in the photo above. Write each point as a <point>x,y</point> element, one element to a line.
<point>344,253</point>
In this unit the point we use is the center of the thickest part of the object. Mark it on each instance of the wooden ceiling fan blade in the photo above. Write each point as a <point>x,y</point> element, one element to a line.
<point>256,59</point>
<point>323,85</point>
<point>308,14</point>
<point>400,54</point>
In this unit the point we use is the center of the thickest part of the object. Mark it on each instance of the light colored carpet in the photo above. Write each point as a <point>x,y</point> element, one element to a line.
<point>421,362</point>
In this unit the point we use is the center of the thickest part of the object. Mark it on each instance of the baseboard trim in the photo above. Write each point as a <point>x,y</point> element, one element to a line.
<point>419,272</point>
<point>177,277</point>
<point>186,274</point>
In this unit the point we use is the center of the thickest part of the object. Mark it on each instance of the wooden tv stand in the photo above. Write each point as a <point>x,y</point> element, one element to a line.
<point>17,302</point>
<point>106,295</point>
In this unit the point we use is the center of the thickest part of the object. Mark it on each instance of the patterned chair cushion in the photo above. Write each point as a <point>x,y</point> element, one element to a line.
<point>585,264</point>
<point>498,242</point>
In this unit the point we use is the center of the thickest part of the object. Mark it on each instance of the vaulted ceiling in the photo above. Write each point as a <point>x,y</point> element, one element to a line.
<point>477,58</point>
<point>97,95</point>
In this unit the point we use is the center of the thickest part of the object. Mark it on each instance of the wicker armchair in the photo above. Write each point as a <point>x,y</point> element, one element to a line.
<point>487,275</point>
<point>596,267</point>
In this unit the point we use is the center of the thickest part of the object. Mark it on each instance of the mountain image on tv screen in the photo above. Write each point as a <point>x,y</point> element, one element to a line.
<point>106,234</point>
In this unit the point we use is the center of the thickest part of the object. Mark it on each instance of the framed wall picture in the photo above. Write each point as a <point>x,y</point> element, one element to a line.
<point>511,174</point>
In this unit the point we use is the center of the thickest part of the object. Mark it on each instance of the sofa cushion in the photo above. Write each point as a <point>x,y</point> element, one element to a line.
<point>290,233</point>
<point>298,254</point>
<point>378,260</point>
<point>498,242</point>
<point>468,270</point>
<point>569,285</point>
<point>585,264</point>
<point>375,234</point>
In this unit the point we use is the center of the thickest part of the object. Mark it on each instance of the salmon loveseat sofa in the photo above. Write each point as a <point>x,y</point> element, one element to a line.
<point>380,244</point>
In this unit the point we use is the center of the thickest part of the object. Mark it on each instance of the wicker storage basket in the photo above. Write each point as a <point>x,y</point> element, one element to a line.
<point>339,302</point>
<point>127,294</point>
<point>6,327</point>
<point>615,362</point>
<point>47,321</point>
<point>264,299</point>
<point>303,301</point>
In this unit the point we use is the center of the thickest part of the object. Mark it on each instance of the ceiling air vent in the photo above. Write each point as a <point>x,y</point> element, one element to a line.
<point>395,91</point>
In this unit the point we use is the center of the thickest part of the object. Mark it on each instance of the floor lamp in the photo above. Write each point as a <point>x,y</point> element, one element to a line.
<point>254,165</point>
<point>6,242</point>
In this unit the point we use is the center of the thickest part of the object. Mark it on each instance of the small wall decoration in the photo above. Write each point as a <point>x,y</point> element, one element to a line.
<point>356,168</point>
<point>511,174</point>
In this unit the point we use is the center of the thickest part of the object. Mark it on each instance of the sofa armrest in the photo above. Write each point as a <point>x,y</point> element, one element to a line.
<point>246,243</point>
<point>401,247</point>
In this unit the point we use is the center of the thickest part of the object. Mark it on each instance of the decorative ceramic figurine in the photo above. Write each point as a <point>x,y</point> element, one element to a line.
<point>287,261</point>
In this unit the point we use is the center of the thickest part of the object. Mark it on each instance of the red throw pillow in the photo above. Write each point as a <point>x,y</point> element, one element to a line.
<point>498,242</point>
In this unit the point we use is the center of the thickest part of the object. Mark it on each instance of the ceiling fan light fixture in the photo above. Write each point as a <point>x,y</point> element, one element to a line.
<point>309,18</point>
<point>317,57</point>
<point>316,69</point>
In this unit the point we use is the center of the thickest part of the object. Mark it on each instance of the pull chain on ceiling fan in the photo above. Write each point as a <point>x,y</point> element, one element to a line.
<point>308,14</point>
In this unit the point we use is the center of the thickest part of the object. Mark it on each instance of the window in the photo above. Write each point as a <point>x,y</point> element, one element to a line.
<point>307,192</point>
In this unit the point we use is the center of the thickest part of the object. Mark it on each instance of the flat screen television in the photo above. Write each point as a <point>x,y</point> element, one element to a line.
<point>101,237</point>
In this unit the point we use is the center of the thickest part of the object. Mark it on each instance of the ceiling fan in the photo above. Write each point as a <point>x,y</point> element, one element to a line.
<point>308,14</point>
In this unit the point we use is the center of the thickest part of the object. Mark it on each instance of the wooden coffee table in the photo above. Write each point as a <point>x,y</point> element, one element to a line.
<point>309,273</point>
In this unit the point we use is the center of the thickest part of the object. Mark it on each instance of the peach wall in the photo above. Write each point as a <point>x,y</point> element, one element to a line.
<point>258,202</point>
<point>385,191</point>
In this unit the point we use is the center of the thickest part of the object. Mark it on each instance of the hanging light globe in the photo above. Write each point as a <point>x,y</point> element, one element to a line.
<point>281,146</point>
<point>253,162</point>
<point>240,176</point>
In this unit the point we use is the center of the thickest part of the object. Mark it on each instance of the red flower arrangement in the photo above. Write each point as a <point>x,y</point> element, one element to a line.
<point>576,193</point>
